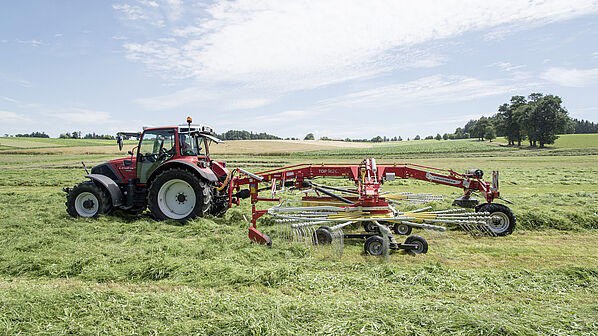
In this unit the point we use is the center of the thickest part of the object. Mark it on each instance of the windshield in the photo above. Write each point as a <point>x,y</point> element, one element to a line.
<point>157,143</point>
<point>189,145</point>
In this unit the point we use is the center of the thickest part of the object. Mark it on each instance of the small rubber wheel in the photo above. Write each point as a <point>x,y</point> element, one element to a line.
<point>373,246</point>
<point>323,236</point>
<point>422,244</point>
<point>370,227</point>
<point>402,229</point>
<point>504,220</point>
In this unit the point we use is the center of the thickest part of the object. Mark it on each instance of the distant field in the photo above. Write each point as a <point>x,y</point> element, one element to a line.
<point>567,141</point>
<point>18,143</point>
<point>414,147</point>
<point>263,147</point>
<point>571,144</point>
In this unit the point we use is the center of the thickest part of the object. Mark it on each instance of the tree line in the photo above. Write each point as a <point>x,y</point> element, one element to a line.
<point>245,135</point>
<point>77,135</point>
<point>538,119</point>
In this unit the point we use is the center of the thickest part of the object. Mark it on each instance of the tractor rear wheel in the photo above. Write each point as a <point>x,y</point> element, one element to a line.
<point>503,218</point>
<point>87,199</point>
<point>180,195</point>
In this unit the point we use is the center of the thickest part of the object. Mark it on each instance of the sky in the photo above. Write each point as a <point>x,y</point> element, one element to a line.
<point>336,68</point>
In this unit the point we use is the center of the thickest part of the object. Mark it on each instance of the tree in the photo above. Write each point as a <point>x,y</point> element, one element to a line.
<point>508,123</point>
<point>377,139</point>
<point>445,136</point>
<point>438,136</point>
<point>479,128</point>
<point>489,133</point>
<point>546,119</point>
<point>417,137</point>
<point>429,137</point>
<point>400,139</point>
<point>309,136</point>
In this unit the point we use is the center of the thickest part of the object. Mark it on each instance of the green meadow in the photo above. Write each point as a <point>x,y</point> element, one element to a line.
<point>124,274</point>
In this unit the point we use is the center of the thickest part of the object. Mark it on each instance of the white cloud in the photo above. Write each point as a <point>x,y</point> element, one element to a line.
<point>131,12</point>
<point>428,90</point>
<point>506,66</point>
<point>11,117</point>
<point>306,44</point>
<point>176,99</point>
<point>246,104</point>
<point>571,77</point>
<point>31,43</point>
<point>82,116</point>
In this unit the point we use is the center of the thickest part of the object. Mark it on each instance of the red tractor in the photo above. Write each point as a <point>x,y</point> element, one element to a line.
<point>170,172</point>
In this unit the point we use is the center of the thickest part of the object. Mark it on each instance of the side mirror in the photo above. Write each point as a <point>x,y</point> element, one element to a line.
<point>130,153</point>
<point>119,140</point>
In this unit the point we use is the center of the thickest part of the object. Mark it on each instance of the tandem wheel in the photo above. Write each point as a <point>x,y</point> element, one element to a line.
<point>421,245</point>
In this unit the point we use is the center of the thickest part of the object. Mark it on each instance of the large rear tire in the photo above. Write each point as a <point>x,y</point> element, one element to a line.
<point>87,199</point>
<point>180,195</point>
<point>504,222</point>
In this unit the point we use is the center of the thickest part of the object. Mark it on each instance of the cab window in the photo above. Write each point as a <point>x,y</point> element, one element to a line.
<point>157,143</point>
<point>189,145</point>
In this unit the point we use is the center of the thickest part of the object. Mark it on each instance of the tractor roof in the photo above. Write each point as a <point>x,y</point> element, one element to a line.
<point>184,127</point>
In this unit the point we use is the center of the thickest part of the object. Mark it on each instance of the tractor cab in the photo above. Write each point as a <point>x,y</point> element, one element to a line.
<point>189,143</point>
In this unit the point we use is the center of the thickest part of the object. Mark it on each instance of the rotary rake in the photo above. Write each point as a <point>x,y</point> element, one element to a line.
<point>318,214</point>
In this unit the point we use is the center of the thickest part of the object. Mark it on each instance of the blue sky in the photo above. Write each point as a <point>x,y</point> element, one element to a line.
<point>336,68</point>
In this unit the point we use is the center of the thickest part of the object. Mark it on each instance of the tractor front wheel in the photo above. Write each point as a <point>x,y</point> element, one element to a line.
<point>87,199</point>
<point>503,221</point>
<point>180,195</point>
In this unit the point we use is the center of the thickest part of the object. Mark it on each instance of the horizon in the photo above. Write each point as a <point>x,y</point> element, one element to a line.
<point>288,69</point>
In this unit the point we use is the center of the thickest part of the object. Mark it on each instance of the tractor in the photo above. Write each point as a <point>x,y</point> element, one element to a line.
<point>170,172</point>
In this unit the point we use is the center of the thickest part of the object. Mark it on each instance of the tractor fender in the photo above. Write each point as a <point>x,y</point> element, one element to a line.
<point>204,173</point>
<point>115,194</point>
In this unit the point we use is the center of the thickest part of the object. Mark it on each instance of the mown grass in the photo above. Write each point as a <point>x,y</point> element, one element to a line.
<point>131,275</point>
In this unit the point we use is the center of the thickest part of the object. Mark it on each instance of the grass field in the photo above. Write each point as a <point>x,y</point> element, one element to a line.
<point>567,141</point>
<point>131,275</point>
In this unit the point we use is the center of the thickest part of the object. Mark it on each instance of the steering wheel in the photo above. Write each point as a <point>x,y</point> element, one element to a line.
<point>151,157</point>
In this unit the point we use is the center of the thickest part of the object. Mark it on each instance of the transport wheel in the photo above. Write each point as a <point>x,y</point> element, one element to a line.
<point>402,229</point>
<point>87,200</point>
<point>180,195</point>
<point>504,219</point>
<point>370,227</point>
<point>373,246</point>
<point>422,244</point>
<point>323,235</point>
